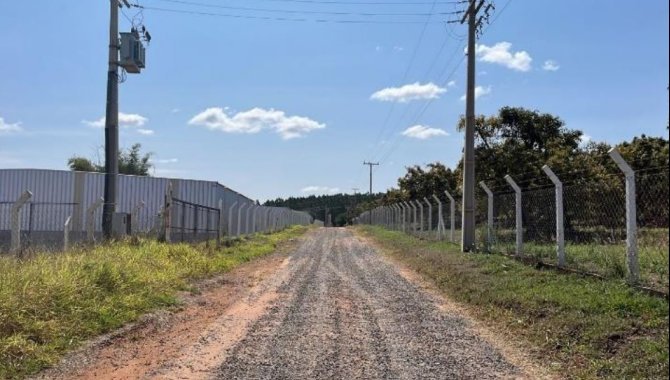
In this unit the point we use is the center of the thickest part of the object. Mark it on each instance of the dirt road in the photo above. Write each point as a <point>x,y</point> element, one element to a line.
<point>332,309</point>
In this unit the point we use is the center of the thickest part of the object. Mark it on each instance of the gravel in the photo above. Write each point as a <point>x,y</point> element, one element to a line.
<point>344,312</point>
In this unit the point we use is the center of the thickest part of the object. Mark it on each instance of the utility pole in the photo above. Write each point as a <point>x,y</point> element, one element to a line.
<point>370,164</point>
<point>111,122</point>
<point>468,231</point>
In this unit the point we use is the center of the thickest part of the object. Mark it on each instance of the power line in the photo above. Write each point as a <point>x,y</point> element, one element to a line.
<point>300,11</point>
<point>275,18</point>
<point>330,2</point>
<point>407,70</point>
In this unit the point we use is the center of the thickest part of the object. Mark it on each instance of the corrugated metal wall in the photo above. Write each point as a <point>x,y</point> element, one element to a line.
<point>58,194</point>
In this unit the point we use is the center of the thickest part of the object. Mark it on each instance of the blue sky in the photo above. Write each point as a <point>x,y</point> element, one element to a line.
<point>277,108</point>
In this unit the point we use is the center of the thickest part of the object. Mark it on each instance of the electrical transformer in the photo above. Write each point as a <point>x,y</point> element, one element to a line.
<point>132,53</point>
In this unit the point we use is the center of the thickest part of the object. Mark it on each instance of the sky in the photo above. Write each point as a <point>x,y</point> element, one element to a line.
<point>280,100</point>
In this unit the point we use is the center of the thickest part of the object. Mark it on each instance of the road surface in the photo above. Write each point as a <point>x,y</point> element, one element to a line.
<point>333,308</point>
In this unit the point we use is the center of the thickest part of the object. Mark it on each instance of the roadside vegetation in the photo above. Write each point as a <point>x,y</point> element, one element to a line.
<point>579,327</point>
<point>51,303</point>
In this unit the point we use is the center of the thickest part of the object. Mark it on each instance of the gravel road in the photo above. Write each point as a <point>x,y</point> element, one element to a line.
<point>344,312</point>
<point>327,306</point>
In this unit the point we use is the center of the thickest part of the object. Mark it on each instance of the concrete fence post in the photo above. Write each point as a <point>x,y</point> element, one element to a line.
<point>15,220</point>
<point>519,215</point>
<point>167,213</point>
<point>67,226</point>
<point>247,222</point>
<point>219,230</point>
<point>414,221</point>
<point>239,219</point>
<point>135,217</point>
<point>452,216</point>
<point>230,218</point>
<point>430,214</point>
<point>631,217</point>
<point>403,207</point>
<point>560,225</point>
<point>440,218</point>
<point>90,221</point>
<point>489,227</point>
<point>420,206</point>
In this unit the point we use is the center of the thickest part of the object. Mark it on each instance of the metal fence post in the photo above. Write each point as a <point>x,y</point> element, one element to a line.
<point>519,216</point>
<point>560,226</point>
<point>489,230</point>
<point>452,216</point>
<point>631,217</point>
<point>90,222</point>
<point>440,219</point>
<point>16,221</point>
<point>66,233</point>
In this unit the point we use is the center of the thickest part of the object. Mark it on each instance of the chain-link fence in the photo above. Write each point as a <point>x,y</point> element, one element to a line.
<point>590,231</point>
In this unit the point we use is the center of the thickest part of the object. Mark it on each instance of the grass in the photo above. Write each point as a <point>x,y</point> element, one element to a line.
<point>608,260</point>
<point>579,327</point>
<point>51,303</point>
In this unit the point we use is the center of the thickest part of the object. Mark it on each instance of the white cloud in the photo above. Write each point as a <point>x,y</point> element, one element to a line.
<point>7,128</point>
<point>500,53</point>
<point>256,120</point>
<point>585,140</point>
<point>479,92</point>
<point>175,110</point>
<point>408,92</point>
<point>398,49</point>
<point>423,132</point>
<point>126,120</point>
<point>378,48</point>
<point>145,132</point>
<point>320,190</point>
<point>550,65</point>
<point>452,83</point>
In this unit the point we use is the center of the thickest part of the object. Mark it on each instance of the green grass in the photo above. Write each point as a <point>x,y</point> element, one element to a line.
<point>608,260</point>
<point>580,327</point>
<point>51,303</point>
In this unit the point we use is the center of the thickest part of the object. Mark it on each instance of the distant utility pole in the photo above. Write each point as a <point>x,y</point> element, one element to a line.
<point>474,26</point>
<point>111,122</point>
<point>370,164</point>
<point>355,189</point>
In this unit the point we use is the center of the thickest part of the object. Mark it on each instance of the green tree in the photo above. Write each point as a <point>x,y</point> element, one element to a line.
<point>131,161</point>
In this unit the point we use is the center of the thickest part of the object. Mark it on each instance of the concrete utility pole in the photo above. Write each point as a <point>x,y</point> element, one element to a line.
<point>371,164</point>
<point>468,238</point>
<point>111,122</point>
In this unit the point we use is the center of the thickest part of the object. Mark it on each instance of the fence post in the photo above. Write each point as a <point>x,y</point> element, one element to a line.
<point>66,233</point>
<point>560,226</point>
<point>489,230</point>
<point>90,222</point>
<point>253,219</point>
<point>631,217</point>
<point>167,213</point>
<point>239,218</point>
<point>403,207</point>
<point>134,217</point>
<point>452,215</point>
<point>440,219</point>
<point>430,214</point>
<point>230,218</point>
<point>411,203</point>
<point>219,231</point>
<point>420,206</point>
<point>519,216</point>
<point>16,221</point>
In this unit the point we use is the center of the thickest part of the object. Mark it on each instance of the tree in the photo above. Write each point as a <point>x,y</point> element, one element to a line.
<point>131,161</point>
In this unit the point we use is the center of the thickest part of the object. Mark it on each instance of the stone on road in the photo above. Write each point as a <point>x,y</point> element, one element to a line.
<point>344,312</point>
